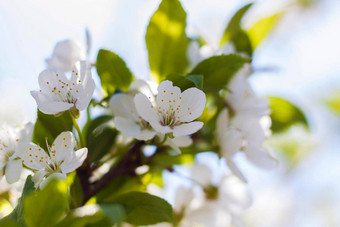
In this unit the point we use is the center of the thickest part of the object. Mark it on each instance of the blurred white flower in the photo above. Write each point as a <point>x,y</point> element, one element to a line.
<point>57,162</point>
<point>126,118</point>
<point>59,94</point>
<point>219,206</point>
<point>197,53</point>
<point>10,163</point>
<point>173,111</point>
<point>242,98</point>
<point>65,55</point>
<point>246,130</point>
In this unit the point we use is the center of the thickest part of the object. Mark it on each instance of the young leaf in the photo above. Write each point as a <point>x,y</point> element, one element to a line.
<point>47,206</point>
<point>262,28</point>
<point>185,82</point>
<point>113,72</point>
<point>284,114</point>
<point>235,34</point>
<point>50,126</point>
<point>99,138</point>
<point>145,209</point>
<point>16,216</point>
<point>218,70</point>
<point>166,40</point>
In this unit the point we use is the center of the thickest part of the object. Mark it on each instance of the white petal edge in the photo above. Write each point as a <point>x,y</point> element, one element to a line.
<point>74,161</point>
<point>187,129</point>
<point>13,170</point>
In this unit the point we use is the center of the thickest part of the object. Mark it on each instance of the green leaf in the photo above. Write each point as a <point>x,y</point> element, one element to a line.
<point>47,206</point>
<point>103,215</point>
<point>50,126</point>
<point>100,138</point>
<point>17,213</point>
<point>166,40</point>
<point>114,212</point>
<point>262,28</point>
<point>185,82</point>
<point>218,70</point>
<point>83,216</point>
<point>113,72</point>
<point>235,34</point>
<point>284,114</point>
<point>9,223</point>
<point>145,209</point>
<point>76,191</point>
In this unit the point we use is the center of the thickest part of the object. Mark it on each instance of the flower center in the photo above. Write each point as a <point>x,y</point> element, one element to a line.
<point>169,118</point>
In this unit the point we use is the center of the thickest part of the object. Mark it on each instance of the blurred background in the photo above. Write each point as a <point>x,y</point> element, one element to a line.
<point>298,61</point>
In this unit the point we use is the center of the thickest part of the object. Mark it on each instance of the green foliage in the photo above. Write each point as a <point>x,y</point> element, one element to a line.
<point>333,102</point>
<point>50,126</point>
<point>262,28</point>
<point>284,114</point>
<point>47,206</point>
<point>113,72</point>
<point>166,40</point>
<point>16,218</point>
<point>235,34</point>
<point>114,212</point>
<point>218,70</point>
<point>185,82</point>
<point>76,191</point>
<point>104,215</point>
<point>119,186</point>
<point>100,138</point>
<point>145,209</point>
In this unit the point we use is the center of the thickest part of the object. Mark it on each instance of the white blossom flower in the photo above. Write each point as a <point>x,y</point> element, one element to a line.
<point>59,94</point>
<point>65,55</point>
<point>173,111</point>
<point>126,118</point>
<point>242,98</point>
<point>219,205</point>
<point>59,159</point>
<point>197,53</point>
<point>10,164</point>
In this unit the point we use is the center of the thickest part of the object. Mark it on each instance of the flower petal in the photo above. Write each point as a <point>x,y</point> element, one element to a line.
<point>168,97</point>
<point>57,176</point>
<point>25,134</point>
<point>38,177</point>
<point>234,194</point>
<point>54,107</point>
<point>84,101</point>
<point>49,79</point>
<point>145,109</point>
<point>66,53</point>
<point>230,142</point>
<point>202,174</point>
<point>180,141</point>
<point>74,160</point>
<point>62,146</point>
<point>146,134</point>
<point>235,170</point>
<point>260,157</point>
<point>187,129</point>
<point>123,105</point>
<point>13,170</point>
<point>222,123</point>
<point>32,155</point>
<point>192,104</point>
<point>127,126</point>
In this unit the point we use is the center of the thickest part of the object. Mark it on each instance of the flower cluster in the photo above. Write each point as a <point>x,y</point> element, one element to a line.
<point>244,131</point>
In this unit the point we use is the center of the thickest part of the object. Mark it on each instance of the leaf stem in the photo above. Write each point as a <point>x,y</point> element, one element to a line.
<point>76,126</point>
